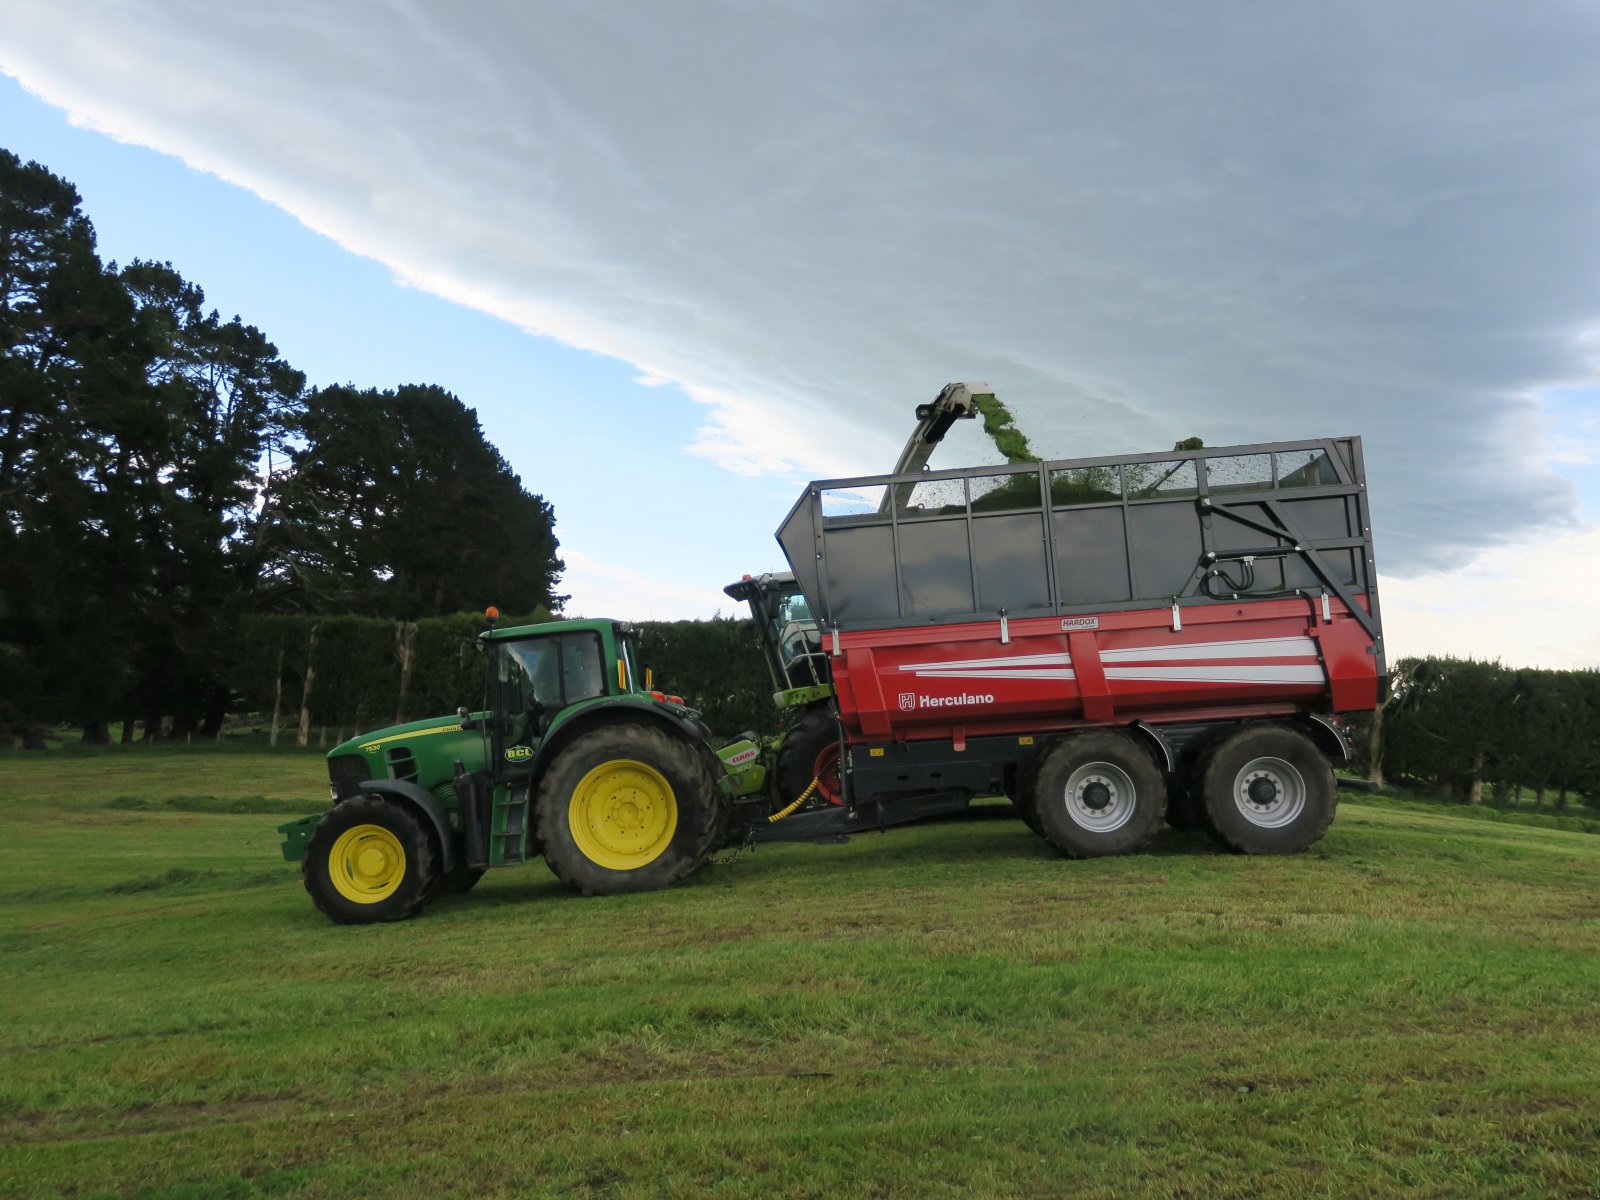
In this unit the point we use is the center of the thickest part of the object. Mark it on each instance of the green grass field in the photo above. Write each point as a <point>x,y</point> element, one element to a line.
<point>950,1010</point>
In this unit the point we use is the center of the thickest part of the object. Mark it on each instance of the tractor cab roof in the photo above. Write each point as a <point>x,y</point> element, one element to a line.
<point>756,585</point>
<point>513,632</point>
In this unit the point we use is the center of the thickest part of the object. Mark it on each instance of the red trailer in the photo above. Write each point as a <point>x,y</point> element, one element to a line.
<point>1107,640</point>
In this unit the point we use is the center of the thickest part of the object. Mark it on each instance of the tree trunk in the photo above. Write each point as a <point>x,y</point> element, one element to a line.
<point>277,703</point>
<point>127,730</point>
<point>96,733</point>
<point>1561,798</point>
<point>405,644</point>
<point>1538,797</point>
<point>33,736</point>
<point>303,737</point>
<point>216,714</point>
<point>1475,780</point>
<point>1375,747</point>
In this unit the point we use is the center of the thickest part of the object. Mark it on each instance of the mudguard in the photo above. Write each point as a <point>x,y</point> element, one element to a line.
<point>423,800</point>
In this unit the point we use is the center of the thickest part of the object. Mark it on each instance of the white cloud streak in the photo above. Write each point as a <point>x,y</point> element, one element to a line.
<point>1140,221</point>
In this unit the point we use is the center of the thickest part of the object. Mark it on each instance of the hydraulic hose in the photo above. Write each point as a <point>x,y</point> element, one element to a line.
<point>804,796</point>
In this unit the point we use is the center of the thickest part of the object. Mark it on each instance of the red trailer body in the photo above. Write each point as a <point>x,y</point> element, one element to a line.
<point>977,623</point>
<point>1254,659</point>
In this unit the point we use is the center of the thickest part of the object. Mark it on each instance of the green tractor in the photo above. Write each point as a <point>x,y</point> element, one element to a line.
<point>574,758</point>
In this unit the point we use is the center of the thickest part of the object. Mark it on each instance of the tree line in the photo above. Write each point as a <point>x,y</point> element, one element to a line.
<point>317,679</point>
<point>1479,730</point>
<point>166,474</point>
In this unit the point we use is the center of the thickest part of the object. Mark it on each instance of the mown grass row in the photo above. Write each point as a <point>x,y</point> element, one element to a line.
<point>1410,1009</point>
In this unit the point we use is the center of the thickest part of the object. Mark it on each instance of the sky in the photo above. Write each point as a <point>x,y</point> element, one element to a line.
<point>682,259</point>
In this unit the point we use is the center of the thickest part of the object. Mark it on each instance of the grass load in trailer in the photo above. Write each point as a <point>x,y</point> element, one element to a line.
<point>1109,641</point>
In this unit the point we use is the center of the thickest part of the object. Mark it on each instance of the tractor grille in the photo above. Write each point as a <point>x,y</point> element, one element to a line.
<point>346,772</point>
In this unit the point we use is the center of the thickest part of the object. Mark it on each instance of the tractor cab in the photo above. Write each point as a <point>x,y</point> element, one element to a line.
<point>538,673</point>
<point>791,641</point>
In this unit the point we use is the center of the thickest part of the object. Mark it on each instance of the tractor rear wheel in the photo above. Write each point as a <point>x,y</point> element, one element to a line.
<point>1267,790</point>
<point>1098,793</point>
<point>627,808</point>
<point>369,860</point>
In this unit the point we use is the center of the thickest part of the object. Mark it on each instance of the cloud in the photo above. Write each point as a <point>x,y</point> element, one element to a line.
<point>1138,221</point>
<point>1526,605</point>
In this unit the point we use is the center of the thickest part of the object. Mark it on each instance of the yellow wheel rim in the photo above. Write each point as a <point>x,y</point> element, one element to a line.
<point>367,864</point>
<point>623,814</point>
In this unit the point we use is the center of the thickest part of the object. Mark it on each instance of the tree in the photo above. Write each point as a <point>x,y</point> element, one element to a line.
<point>218,401</point>
<point>70,351</point>
<point>395,505</point>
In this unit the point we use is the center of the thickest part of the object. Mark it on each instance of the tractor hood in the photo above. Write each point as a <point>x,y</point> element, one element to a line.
<point>421,752</point>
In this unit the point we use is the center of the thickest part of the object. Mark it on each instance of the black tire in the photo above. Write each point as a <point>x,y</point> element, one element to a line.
<point>1098,793</point>
<point>807,742</point>
<point>1023,797</point>
<point>459,879</point>
<point>1267,790</point>
<point>1186,811</point>
<point>627,808</point>
<point>368,860</point>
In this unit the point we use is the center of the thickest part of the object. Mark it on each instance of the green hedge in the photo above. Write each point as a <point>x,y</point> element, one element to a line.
<point>357,683</point>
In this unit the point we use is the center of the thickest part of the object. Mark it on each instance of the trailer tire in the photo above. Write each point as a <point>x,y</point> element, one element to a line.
<point>1022,795</point>
<point>810,750</point>
<point>1267,790</point>
<point>1098,793</point>
<point>1186,810</point>
<point>627,808</point>
<point>369,860</point>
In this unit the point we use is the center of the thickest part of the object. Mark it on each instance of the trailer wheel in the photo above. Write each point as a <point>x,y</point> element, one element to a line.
<point>810,750</point>
<point>627,808</point>
<point>1268,790</point>
<point>1021,793</point>
<point>1186,809</point>
<point>1098,793</point>
<point>369,860</point>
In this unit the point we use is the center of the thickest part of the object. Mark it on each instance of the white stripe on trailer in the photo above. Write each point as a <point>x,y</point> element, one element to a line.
<point>1025,673</point>
<point>1264,673</point>
<point>1017,660</point>
<point>1289,647</point>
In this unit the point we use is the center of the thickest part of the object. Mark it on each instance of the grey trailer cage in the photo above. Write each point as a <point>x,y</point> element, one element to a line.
<point>1088,535</point>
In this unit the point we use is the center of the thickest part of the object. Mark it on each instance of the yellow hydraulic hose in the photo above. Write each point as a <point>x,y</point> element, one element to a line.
<point>804,796</point>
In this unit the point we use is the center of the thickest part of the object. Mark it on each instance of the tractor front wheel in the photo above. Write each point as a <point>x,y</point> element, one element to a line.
<point>627,808</point>
<point>368,860</point>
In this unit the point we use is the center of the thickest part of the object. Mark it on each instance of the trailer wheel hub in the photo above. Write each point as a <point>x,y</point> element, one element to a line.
<point>1100,797</point>
<point>1097,796</point>
<point>1269,792</point>
<point>1262,790</point>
